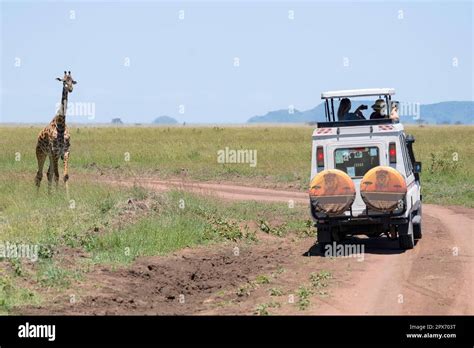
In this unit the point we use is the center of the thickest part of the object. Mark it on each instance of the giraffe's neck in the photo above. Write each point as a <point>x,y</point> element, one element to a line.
<point>60,119</point>
<point>63,108</point>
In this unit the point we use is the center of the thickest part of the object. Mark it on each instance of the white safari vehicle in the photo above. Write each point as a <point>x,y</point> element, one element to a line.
<point>364,176</point>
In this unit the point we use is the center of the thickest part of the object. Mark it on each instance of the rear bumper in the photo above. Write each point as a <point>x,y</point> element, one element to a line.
<point>366,219</point>
<point>368,215</point>
<point>329,230</point>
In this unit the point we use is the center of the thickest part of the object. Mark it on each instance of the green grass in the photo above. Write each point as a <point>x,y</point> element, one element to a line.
<point>112,227</point>
<point>12,295</point>
<point>49,274</point>
<point>99,219</point>
<point>303,293</point>
<point>262,279</point>
<point>275,292</point>
<point>283,155</point>
<point>33,217</point>
<point>448,168</point>
<point>166,151</point>
<point>319,280</point>
<point>95,221</point>
<point>262,309</point>
<point>202,221</point>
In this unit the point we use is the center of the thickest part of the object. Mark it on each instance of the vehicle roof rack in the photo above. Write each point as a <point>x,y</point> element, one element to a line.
<point>355,123</point>
<point>366,92</point>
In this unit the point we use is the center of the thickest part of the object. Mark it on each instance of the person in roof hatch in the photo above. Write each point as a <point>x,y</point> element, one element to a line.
<point>344,114</point>
<point>380,110</point>
<point>394,113</point>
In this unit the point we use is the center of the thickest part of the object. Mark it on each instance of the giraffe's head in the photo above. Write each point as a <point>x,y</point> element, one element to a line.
<point>68,81</point>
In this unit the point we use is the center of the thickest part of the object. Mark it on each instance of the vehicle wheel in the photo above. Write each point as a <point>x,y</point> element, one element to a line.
<point>322,248</point>
<point>324,235</point>
<point>405,236</point>
<point>417,234</point>
<point>337,235</point>
<point>406,242</point>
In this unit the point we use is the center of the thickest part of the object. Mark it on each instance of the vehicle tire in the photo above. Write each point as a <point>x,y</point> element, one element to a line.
<point>417,234</point>
<point>324,234</point>
<point>322,248</point>
<point>406,242</point>
<point>405,236</point>
<point>337,235</point>
<point>325,237</point>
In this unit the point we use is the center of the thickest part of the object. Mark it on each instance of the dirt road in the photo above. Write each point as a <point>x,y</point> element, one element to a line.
<point>221,190</point>
<point>274,275</point>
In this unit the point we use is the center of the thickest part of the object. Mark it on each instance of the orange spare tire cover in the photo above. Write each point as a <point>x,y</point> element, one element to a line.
<point>382,188</point>
<point>332,191</point>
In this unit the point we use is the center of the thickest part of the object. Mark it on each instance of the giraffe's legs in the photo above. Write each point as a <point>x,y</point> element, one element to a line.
<point>56,169</point>
<point>67,144</point>
<point>41,157</point>
<point>50,173</point>
<point>53,171</point>
<point>66,166</point>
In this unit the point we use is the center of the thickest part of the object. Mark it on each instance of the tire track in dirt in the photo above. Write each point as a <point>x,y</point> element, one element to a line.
<point>432,278</point>
<point>220,190</point>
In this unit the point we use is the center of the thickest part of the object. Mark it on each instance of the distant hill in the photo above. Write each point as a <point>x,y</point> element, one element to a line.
<point>440,113</point>
<point>449,112</point>
<point>284,116</point>
<point>165,120</point>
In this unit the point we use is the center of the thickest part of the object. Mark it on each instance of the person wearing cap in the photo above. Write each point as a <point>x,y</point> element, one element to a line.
<point>380,110</point>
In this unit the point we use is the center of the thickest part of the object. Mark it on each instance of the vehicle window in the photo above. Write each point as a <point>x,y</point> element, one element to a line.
<point>406,157</point>
<point>356,161</point>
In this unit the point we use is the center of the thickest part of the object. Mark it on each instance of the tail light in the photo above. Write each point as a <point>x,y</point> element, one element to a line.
<point>392,153</point>
<point>320,156</point>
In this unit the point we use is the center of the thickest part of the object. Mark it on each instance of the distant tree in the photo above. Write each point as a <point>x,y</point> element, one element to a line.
<point>458,123</point>
<point>165,120</point>
<point>117,121</point>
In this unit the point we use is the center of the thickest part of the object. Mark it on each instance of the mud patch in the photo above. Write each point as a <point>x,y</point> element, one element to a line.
<point>177,284</point>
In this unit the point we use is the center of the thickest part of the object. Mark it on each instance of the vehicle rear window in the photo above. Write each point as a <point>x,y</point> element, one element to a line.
<point>356,161</point>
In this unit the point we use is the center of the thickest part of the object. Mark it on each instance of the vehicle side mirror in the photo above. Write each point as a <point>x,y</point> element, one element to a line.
<point>417,167</point>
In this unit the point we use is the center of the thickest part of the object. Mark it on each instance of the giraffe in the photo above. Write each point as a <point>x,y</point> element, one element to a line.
<point>54,140</point>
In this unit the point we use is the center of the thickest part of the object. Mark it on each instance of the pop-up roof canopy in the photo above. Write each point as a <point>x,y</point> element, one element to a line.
<point>329,97</point>
<point>358,93</point>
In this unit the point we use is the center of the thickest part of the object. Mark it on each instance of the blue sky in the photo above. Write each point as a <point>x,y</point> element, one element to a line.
<point>184,68</point>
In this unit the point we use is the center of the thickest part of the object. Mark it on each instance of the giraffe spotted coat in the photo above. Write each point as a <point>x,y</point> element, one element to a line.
<point>54,140</point>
